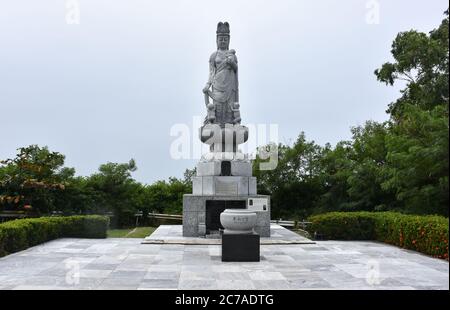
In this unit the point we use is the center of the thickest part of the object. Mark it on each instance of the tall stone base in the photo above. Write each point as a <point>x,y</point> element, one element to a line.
<point>224,181</point>
<point>201,213</point>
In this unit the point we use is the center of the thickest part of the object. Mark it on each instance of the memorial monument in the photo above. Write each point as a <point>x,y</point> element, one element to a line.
<point>224,175</point>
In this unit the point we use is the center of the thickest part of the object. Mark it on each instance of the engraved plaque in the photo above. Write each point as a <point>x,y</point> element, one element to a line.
<point>258,204</point>
<point>226,188</point>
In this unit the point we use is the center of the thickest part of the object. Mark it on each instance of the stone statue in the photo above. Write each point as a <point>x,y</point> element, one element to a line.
<point>224,177</point>
<point>222,85</point>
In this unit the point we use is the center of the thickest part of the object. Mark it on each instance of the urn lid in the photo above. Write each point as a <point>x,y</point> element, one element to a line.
<point>240,211</point>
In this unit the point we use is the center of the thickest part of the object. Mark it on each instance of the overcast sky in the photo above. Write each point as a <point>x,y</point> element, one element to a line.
<point>111,87</point>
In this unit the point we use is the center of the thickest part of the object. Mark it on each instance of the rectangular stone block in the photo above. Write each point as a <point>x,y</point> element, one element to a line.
<point>190,224</point>
<point>227,186</point>
<point>190,218</point>
<point>208,168</point>
<point>193,203</point>
<point>201,217</point>
<point>197,185</point>
<point>243,186</point>
<point>208,185</point>
<point>240,248</point>
<point>190,231</point>
<point>241,168</point>
<point>263,218</point>
<point>263,231</point>
<point>252,186</point>
<point>201,229</point>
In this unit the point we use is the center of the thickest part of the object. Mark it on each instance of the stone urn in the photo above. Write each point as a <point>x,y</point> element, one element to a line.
<point>238,221</point>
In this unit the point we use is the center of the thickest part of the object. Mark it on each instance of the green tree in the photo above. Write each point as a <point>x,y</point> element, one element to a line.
<point>114,189</point>
<point>336,169</point>
<point>417,160</point>
<point>368,160</point>
<point>33,178</point>
<point>422,60</point>
<point>417,144</point>
<point>294,184</point>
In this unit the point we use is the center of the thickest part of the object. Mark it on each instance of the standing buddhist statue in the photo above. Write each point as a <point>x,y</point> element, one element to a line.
<point>222,85</point>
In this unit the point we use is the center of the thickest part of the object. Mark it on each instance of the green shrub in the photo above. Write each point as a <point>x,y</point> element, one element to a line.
<point>344,225</point>
<point>92,226</point>
<point>426,234</point>
<point>18,235</point>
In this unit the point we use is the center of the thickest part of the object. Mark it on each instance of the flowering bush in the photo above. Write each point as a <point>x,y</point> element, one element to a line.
<point>426,234</point>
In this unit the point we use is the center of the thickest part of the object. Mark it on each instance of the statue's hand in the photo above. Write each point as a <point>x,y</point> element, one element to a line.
<point>206,88</point>
<point>230,62</point>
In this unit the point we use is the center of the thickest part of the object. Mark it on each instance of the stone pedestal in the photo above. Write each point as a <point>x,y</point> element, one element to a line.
<point>216,167</point>
<point>197,209</point>
<point>224,181</point>
<point>224,186</point>
<point>240,248</point>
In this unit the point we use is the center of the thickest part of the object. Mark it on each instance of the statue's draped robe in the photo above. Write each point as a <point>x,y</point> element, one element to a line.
<point>223,78</point>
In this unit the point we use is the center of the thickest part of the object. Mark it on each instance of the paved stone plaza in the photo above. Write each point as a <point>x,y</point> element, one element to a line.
<point>129,264</point>
<point>173,234</point>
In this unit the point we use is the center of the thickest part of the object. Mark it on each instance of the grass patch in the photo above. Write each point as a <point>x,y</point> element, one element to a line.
<point>139,232</point>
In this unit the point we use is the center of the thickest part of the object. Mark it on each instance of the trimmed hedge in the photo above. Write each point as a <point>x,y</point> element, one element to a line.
<point>427,234</point>
<point>21,234</point>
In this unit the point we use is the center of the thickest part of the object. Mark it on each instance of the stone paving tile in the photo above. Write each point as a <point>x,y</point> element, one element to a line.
<point>39,287</point>
<point>279,258</point>
<point>25,270</point>
<point>271,285</point>
<point>165,268</point>
<point>295,275</point>
<point>127,274</point>
<point>195,275</point>
<point>122,281</point>
<point>159,284</point>
<point>13,281</point>
<point>113,287</point>
<point>188,284</point>
<point>265,275</point>
<point>45,281</point>
<point>315,282</point>
<point>83,283</point>
<point>165,275</point>
<point>81,260</point>
<point>169,258</point>
<point>112,260</point>
<point>230,284</point>
<point>134,266</point>
<point>96,266</point>
<point>423,282</point>
<point>87,273</point>
<point>227,268</point>
<point>231,276</point>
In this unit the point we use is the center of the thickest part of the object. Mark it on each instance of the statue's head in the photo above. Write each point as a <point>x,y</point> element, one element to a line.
<point>223,35</point>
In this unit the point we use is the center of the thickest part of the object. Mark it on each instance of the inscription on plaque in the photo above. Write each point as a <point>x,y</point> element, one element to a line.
<point>258,204</point>
<point>226,188</point>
